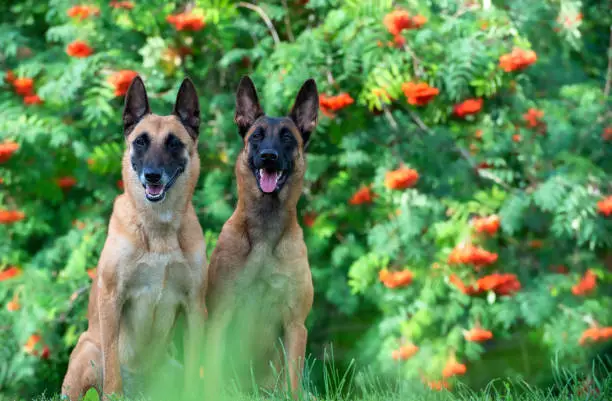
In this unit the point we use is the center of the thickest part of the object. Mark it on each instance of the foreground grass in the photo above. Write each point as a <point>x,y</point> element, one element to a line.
<point>363,387</point>
<point>509,394</point>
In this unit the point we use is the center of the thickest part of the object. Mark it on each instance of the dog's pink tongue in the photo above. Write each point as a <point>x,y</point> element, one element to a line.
<point>154,189</point>
<point>268,181</point>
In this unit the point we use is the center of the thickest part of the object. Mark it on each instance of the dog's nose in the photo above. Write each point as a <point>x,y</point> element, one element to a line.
<point>152,175</point>
<point>269,155</point>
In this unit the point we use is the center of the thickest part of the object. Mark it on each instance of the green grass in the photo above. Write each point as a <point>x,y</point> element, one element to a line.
<point>364,386</point>
<point>511,392</point>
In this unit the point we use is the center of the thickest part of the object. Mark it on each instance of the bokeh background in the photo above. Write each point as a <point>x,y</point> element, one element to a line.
<point>457,206</point>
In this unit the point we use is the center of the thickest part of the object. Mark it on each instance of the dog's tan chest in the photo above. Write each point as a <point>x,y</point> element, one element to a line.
<point>267,280</point>
<point>159,286</point>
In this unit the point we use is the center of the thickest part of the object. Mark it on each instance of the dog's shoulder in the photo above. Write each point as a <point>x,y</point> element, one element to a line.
<point>191,234</point>
<point>233,237</point>
<point>123,218</point>
<point>291,246</point>
<point>230,253</point>
<point>123,238</point>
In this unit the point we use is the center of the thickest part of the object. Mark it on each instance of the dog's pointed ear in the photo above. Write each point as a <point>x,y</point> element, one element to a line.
<point>305,110</point>
<point>136,105</point>
<point>187,107</point>
<point>248,109</point>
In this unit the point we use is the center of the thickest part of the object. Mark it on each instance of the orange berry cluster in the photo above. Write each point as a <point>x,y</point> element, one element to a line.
<point>587,284</point>
<point>395,279</point>
<point>470,254</point>
<point>7,148</point>
<point>400,20</point>
<point>187,22</point>
<point>595,334</point>
<point>83,11</point>
<point>121,81</point>
<point>468,107</point>
<point>401,178</point>
<point>23,87</point>
<point>419,94</point>
<point>329,104</point>
<point>489,224</point>
<point>604,206</point>
<point>10,272</point>
<point>518,59</point>
<point>501,284</point>
<point>79,49</point>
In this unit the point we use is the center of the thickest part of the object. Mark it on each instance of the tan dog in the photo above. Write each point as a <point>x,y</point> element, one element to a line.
<point>153,265</point>
<point>259,279</point>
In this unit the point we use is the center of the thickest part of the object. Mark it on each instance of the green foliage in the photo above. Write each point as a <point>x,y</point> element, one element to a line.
<point>542,181</point>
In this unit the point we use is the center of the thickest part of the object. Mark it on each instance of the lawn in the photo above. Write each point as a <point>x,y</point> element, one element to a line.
<point>363,386</point>
<point>509,393</point>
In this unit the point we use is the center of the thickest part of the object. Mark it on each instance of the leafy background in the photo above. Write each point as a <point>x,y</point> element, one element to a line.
<point>545,180</point>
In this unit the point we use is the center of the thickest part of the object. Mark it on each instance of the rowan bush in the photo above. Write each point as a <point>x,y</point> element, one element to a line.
<point>457,203</point>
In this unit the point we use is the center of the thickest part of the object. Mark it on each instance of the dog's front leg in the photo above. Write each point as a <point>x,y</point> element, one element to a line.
<point>109,307</point>
<point>295,345</point>
<point>194,337</point>
<point>216,332</point>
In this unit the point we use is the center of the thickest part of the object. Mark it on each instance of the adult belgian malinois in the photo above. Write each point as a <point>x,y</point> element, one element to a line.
<point>260,285</point>
<point>153,265</point>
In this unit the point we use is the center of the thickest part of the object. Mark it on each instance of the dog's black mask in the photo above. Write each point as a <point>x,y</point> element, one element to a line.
<point>157,167</point>
<point>271,149</point>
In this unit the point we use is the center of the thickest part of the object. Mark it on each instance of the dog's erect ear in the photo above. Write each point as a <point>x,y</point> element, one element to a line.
<point>247,105</point>
<point>187,107</point>
<point>305,110</point>
<point>136,105</point>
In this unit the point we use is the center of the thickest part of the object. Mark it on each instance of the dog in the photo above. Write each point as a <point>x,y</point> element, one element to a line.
<point>260,284</point>
<point>153,265</point>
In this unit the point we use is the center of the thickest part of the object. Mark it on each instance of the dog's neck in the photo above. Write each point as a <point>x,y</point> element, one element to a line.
<point>268,216</point>
<point>266,219</point>
<point>163,217</point>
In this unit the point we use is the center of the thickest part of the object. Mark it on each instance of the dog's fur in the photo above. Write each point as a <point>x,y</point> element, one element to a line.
<point>259,274</point>
<point>153,265</point>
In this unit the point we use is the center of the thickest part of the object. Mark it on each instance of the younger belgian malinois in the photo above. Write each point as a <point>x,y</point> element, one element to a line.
<point>153,264</point>
<point>260,285</point>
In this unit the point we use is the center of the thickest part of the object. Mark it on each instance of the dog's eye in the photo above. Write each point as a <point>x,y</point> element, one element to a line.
<point>140,142</point>
<point>287,137</point>
<point>257,135</point>
<point>174,143</point>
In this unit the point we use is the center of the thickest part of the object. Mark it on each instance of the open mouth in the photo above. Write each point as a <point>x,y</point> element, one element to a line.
<point>270,180</point>
<point>155,192</point>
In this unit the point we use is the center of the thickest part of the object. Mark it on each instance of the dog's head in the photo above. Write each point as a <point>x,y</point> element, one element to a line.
<point>161,150</point>
<point>274,146</point>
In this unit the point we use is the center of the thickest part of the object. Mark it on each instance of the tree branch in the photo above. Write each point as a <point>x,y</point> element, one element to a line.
<point>416,62</point>
<point>288,22</point>
<point>390,145</point>
<point>463,152</point>
<point>588,318</point>
<point>330,78</point>
<point>609,73</point>
<point>77,293</point>
<point>419,123</point>
<point>389,117</point>
<point>265,18</point>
